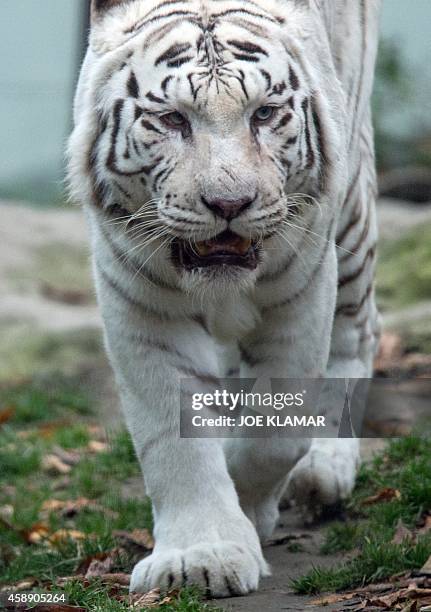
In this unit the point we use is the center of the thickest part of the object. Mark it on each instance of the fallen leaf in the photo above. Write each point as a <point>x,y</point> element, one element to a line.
<point>37,533</point>
<point>415,593</point>
<point>22,585</point>
<point>152,599</point>
<point>62,535</point>
<point>99,567</point>
<point>95,446</point>
<point>6,414</point>
<point>61,484</point>
<point>386,494</point>
<point>388,601</point>
<point>6,512</point>
<point>47,430</point>
<point>138,537</point>
<point>380,587</point>
<point>70,508</point>
<point>148,600</point>
<point>85,564</point>
<point>53,465</point>
<point>119,579</point>
<point>426,568</point>
<point>331,599</point>
<point>402,534</point>
<point>67,456</point>
<point>52,505</point>
<point>426,526</point>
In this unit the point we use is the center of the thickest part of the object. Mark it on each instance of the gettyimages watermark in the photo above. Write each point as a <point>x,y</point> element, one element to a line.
<point>298,408</point>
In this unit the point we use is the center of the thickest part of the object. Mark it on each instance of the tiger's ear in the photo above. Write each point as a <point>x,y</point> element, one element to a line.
<point>98,7</point>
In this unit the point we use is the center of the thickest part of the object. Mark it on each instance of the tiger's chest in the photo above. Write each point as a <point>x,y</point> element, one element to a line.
<point>232,317</point>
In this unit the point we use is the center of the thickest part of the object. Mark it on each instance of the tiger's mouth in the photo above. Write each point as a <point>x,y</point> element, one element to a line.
<point>226,249</point>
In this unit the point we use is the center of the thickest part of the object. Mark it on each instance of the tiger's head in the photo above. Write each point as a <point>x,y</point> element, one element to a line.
<point>209,124</point>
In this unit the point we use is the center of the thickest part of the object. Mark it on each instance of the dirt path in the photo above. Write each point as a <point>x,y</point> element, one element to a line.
<point>275,593</point>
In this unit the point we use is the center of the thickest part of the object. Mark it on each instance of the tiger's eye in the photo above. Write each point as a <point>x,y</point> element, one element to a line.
<point>175,120</point>
<point>264,114</point>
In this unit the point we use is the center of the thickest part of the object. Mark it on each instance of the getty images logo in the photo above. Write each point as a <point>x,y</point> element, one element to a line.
<point>232,401</point>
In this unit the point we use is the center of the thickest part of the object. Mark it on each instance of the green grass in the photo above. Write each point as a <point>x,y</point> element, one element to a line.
<point>46,415</point>
<point>404,270</point>
<point>43,402</point>
<point>369,530</point>
<point>94,598</point>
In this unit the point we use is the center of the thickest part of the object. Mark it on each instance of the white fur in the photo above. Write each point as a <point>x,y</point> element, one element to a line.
<point>306,311</point>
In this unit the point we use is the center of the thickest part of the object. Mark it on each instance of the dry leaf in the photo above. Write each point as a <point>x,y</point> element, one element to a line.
<point>6,414</point>
<point>101,556</point>
<point>70,508</point>
<point>49,429</point>
<point>61,484</point>
<point>95,446</point>
<point>426,526</point>
<point>402,533</point>
<point>152,599</point>
<point>53,465</point>
<point>384,495</point>
<point>22,585</point>
<point>6,512</point>
<point>148,600</point>
<point>67,456</point>
<point>415,593</point>
<point>120,579</point>
<point>52,505</point>
<point>331,599</point>
<point>138,537</point>
<point>99,567</point>
<point>62,535</point>
<point>426,569</point>
<point>37,533</point>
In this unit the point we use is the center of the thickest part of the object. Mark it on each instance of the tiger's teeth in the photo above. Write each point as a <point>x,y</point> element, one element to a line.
<point>244,246</point>
<point>239,246</point>
<point>202,249</point>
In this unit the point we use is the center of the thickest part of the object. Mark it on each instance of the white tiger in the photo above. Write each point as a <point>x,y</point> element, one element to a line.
<point>223,150</point>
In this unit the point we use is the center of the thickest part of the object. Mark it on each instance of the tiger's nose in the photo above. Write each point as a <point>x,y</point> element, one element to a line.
<point>228,209</point>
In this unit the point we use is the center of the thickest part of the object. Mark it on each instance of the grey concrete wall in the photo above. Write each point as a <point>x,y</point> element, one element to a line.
<point>39,54</point>
<point>39,50</point>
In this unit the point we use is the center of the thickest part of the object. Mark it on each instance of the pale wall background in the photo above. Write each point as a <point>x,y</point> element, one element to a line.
<point>40,49</point>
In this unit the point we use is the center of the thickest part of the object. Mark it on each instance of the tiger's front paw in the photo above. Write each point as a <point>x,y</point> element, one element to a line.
<point>324,476</point>
<point>221,569</point>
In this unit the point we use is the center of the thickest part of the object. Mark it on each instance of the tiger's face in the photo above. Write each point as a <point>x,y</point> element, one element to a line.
<point>207,129</point>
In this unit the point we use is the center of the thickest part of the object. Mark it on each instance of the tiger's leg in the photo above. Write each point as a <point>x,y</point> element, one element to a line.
<point>202,536</point>
<point>327,473</point>
<point>292,341</point>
